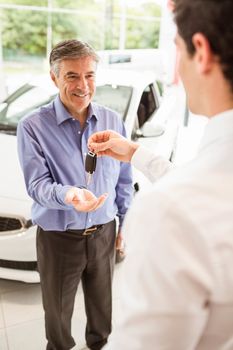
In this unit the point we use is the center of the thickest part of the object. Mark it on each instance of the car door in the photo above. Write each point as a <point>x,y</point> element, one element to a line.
<point>155,127</point>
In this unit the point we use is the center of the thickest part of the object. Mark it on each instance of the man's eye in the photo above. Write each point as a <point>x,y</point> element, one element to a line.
<point>90,76</point>
<point>71,77</point>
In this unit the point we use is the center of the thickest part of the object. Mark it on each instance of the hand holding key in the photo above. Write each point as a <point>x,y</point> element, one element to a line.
<point>111,143</point>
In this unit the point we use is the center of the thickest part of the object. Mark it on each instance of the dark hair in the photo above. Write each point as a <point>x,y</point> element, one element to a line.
<point>70,49</point>
<point>212,18</point>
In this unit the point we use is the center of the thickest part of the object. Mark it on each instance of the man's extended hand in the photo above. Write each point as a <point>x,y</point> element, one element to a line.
<point>84,200</point>
<point>112,144</point>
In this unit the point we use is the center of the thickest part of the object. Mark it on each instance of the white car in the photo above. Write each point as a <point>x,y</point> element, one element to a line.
<point>137,99</point>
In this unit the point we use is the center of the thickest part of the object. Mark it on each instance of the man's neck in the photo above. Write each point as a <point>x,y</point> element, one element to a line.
<point>219,105</point>
<point>218,95</point>
<point>81,116</point>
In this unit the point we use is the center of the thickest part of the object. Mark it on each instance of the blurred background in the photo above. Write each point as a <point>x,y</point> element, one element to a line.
<point>30,28</point>
<point>138,71</point>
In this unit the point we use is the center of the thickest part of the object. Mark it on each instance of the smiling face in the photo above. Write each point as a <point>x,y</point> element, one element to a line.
<point>76,84</point>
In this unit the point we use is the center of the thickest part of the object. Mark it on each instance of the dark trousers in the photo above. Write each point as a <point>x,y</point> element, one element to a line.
<point>65,258</point>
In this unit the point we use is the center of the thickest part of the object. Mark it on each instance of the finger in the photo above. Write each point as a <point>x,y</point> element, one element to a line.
<point>100,201</point>
<point>90,204</point>
<point>88,195</point>
<point>100,136</point>
<point>85,206</point>
<point>99,147</point>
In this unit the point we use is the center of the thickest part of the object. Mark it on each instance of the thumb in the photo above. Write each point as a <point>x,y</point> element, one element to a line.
<point>73,193</point>
<point>98,147</point>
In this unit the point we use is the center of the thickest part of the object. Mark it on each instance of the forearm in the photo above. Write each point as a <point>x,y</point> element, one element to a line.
<point>40,184</point>
<point>49,195</point>
<point>151,165</point>
<point>124,191</point>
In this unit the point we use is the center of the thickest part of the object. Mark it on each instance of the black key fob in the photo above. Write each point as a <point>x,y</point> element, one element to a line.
<point>90,162</point>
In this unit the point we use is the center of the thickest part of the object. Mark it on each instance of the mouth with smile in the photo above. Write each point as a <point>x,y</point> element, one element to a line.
<point>80,95</point>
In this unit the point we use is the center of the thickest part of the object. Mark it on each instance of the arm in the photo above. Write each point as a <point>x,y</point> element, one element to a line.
<point>39,182</point>
<point>124,188</point>
<point>124,191</point>
<point>115,145</point>
<point>152,165</point>
<point>167,278</point>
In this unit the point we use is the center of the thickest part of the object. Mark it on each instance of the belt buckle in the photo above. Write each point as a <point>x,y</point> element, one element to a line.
<point>89,231</point>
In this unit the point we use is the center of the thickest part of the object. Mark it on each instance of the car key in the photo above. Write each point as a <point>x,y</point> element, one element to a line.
<point>90,165</point>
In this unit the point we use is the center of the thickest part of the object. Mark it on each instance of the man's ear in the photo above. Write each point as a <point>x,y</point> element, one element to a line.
<point>53,77</point>
<point>204,56</point>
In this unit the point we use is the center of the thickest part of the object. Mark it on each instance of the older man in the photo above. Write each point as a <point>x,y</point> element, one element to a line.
<point>76,229</point>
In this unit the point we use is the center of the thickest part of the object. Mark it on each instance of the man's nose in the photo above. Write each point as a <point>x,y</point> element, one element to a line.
<point>82,83</point>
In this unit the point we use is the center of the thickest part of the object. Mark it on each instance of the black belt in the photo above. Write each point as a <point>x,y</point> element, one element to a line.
<point>86,231</point>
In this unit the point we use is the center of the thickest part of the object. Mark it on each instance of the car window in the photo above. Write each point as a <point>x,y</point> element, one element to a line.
<point>148,105</point>
<point>29,100</point>
<point>115,97</point>
<point>30,97</point>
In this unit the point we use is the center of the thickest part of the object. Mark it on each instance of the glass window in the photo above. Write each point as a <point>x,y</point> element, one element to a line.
<point>142,34</point>
<point>24,35</point>
<point>89,29</point>
<point>23,104</point>
<point>114,97</point>
<point>25,2</point>
<point>147,105</point>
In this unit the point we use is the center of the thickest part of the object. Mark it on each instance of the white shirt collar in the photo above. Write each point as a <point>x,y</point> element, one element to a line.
<point>218,127</point>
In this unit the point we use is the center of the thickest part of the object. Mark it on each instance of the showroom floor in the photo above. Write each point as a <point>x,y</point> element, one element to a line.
<point>21,315</point>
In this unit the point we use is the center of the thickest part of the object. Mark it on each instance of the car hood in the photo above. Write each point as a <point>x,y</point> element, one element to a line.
<point>13,196</point>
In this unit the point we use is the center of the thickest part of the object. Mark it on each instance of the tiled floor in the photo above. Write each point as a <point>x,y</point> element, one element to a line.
<point>21,315</point>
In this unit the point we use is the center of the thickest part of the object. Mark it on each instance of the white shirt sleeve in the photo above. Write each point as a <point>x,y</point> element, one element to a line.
<point>166,279</point>
<point>153,166</point>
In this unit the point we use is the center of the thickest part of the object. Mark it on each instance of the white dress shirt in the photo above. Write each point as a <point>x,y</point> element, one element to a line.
<point>177,287</point>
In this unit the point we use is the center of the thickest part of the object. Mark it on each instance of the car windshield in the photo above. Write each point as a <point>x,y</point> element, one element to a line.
<point>116,97</point>
<point>21,102</point>
<point>29,97</point>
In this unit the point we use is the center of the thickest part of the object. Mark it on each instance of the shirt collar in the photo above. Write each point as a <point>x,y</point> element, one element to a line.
<point>92,112</point>
<point>62,114</point>
<point>218,127</point>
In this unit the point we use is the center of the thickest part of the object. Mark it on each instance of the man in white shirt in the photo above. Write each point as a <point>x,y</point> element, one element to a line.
<point>177,292</point>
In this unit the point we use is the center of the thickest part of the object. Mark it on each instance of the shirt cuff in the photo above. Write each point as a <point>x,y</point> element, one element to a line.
<point>62,194</point>
<point>141,158</point>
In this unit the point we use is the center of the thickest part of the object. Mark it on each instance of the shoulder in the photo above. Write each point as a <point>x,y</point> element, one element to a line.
<point>37,116</point>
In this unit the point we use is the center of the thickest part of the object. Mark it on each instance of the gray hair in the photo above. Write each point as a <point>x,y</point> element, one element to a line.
<point>70,49</point>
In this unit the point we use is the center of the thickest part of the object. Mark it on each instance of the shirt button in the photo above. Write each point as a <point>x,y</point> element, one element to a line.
<point>79,132</point>
<point>89,220</point>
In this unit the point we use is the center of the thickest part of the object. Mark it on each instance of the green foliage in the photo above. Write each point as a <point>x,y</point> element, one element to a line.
<point>141,34</point>
<point>84,5</point>
<point>71,26</point>
<point>25,2</point>
<point>24,32</point>
<point>146,9</point>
